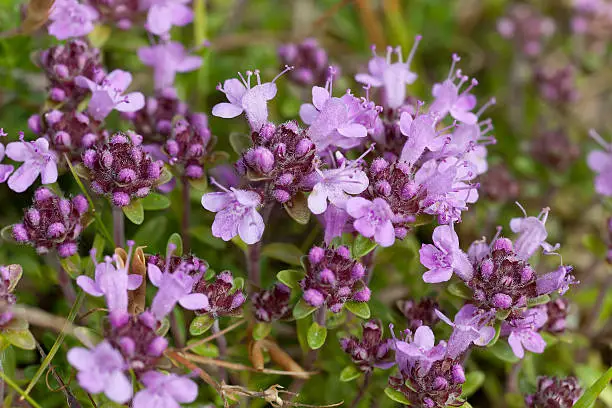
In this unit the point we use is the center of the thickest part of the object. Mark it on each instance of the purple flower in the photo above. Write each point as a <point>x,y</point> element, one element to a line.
<point>372,219</point>
<point>236,214</point>
<point>164,391</point>
<point>393,77</point>
<point>69,18</point>
<point>422,348</point>
<point>272,304</point>
<point>101,369</point>
<point>556,281</point>
<point>449,100</point>
<point>421,134</point>
<point>5,169</point>
<point>470,326</point>
<point>37,160</point>
<point>242,98</point>
<point>335,185</point>
<point>601,163</point>
<point>531,234</point>
<point>372,350</point>
<point>174,288</point>
<point>310,61</point>
<point>444,257</point>
<point>167,59</point>
<point>335,221</point>
<point>222,299</point>
<point>163,14</point>
<point>558,392</point>
<point>421,313</point>
<point>112,282</point>
<point>108,94</point>
<point>523,332</point>
<point>332,119</point>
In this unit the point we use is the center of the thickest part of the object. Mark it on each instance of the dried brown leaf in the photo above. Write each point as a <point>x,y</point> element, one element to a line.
<point>256,354</point>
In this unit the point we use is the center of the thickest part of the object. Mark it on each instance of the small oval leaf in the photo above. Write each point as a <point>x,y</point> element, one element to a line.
<point>359,309</point>
<point>349,373</point>
<point>290,277</point>
<point>460,290</point>
<point>261,330</point>
<point>155,201</point>
<point>134,212</point>
<point>540,300</point>
<point>177,241</point>
<point>287,253</point>
<point>240,142</point>
<point>316,336</point>
<point>302,309</point>
<point>298,209</point>
<point>362,246</point>
<point>209,350</point>
<point>396,396</point>
<point>473,381</point>
<point>20,338</point>
<point>200,324</point>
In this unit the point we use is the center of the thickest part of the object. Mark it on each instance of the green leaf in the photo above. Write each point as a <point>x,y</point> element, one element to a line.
<point>15,273</point>
<point>396,396</point>
<point>178,243</point>
<point>199,184</point>
<point>595,245</point>
<point>20,338</point>
<point>298,209</point>
<point>99,35</point>
<point>362,246</point>
<point>209,350</point>
<point>359,309</point>
<point>502,314</point>
<point>590,395</point>
<point>503,351</point>
<point>200,324</point>
<point>240,142</point>
<point>155,201</point>
<point>238,284</point>
<point>316,336</point>
<point>302,309</point>
<point>473,381</point>
<point>498,324</point>
<point>72,265</point>
<point>163,328</point>
<point>261,330</point>
<point>540,300</point>
<point>287,253</point>
<point>290,277</point>
<point>349,373</point>
<point>460,290</point>
<point>7,233</point>
<point>134,212</point>
<point>165,177</point>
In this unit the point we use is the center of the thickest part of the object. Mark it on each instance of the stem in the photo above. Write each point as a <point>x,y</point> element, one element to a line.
<point>312,355</point>
<point>186,215</point>
<point>63,279</point>
<point>179,340</point>
<point>222,344</point>
<point>253,267</point>
<point>362,389</point>
<point>118,227</point>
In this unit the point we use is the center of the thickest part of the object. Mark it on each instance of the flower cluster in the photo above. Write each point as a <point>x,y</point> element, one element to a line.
<point>223,298</point>
<point>555,392</point>
<point>188,145</point>
<point>421,313</point>
<point>272,304</point>
<point>52,222</point>
<point>333,278</point>
<point>527,28</point>
<point>121,170</point>
<point>309,59</point>
<point>372,350</point>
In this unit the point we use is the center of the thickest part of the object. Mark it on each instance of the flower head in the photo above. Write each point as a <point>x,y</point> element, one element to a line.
<point>101,369</point>
<point>421,313</point>
<point>189,144</point>
<point>163,14</point>
<point>392,76</point>
<point>421,349</point>
<point>222,299</point>
<point>167,59</point>
<point>38,160</point>
<point>164,391</point>
<point>555,392</point>
<point>309,59</point>
<point>244,98</point>
<point>445,256</point>
<point>236,214</point>
<point>108,94</point>
<point>372,350</point>
<point>272,304</point>
<point>69,18</point>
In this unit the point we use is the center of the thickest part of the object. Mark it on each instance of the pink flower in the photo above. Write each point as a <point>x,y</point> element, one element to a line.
<point>163,14</point>
<point>531,234</point>
<point>421,349</point>
<point>448,100</point>
<point>601,163</point>
<point>236,214</point>
<point>444,257</point>
<point>421,134</point>
<point>69,19</point>
<point>5,169</point>
<point>108,95</point>
<point>101,369</point>
<point>523,332</point>
<point>164,391</point>
<point>470,326</point>
<point>167,59</point>
<point>37,160</point>
<point>372,219</point>
<point>393,77</point>
<point>242,98</point>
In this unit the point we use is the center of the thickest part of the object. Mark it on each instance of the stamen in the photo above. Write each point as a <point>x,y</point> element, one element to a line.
<point>456,59</point>
<point>389,52</point>
<point>417,40</point>
<point>484,107</point>
<point>595,136</point>
<point>287,69</point>
<point>215,183</point>
<point>521,207</point>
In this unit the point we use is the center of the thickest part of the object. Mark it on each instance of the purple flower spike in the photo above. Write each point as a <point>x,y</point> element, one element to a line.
<point>163,14</point>
<point>244,98</point>
<point>101,369</point>
<point>189,144</point>
<point>372,219</point>
<point>523,333</point>
<point>444,257</point>
<point>236,214</point>
<point>165,391</point>
<point>393,77</point>
<point>112,282</point>
<point>470,326</point>
<point>108,94</point>
<point>167,59</point>
<point>69,19</point>
<point>37,160</point>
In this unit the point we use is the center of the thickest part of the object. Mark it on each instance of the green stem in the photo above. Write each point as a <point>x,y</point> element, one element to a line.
<point>14,386</point>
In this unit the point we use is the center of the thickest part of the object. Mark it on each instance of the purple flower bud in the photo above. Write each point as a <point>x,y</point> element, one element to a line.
<point>358,271</point>
<point>429,403</point>
<point>266,132</point>
<point>400,232</point>
<point>89,158</point>
<point>147,319</point>
<point>486,268</point>
<point>61,71</point>
<point>62,138</point>
<point>65,207</point>
<point>120,199</point>
<point>55,230</point>
<point>440,383</point>
<point>363,295</point>
<point>157,347</point>
<point>67,249</point>
<point>304,146</point>
<point>344,251</point>
<point>42,194</point>
<point>313,297</point>
<point>128,346</point>
<point>383,187</point>
<point>155,170</point>
<point>378,166</point>
<point>502,301</point>
<point>172,147</point>
<point>327,276</point>
<point>344,291</point>
<point>57,94</point>
<point>118,319</point>
<point>281,196</point>
<point>20,234</point>
<point>336,307</point>
<point>33,216</point>
<point>316,255</point>
<point>409,190</point>
<point>107,159</point>
<point>285,179</point>
<point>126,175</point>
<point>261,159</point>
<point>458,374</point>
<point>280,150</point>
<point>526,273</point>
<point>34,124</point>
<point>502,244</point>
<point>80,204</point>
<point>194,171</point>
<point>237,300</point>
